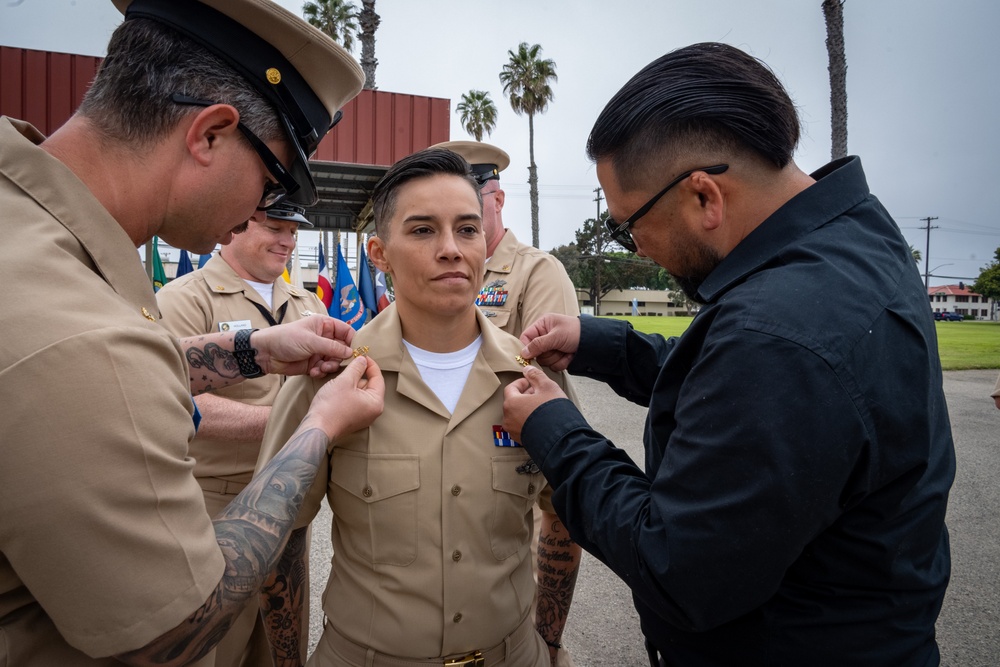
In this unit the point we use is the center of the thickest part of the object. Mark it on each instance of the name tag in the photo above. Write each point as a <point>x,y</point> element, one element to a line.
<point>235,325</point>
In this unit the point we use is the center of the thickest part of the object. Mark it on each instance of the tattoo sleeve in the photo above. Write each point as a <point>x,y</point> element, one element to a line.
<point>558,565</point>
<point>251,532</point>
<point>282,601</point>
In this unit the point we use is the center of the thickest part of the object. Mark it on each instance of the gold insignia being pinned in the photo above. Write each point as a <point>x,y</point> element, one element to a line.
<point>361,351</point>
<point>273,75</point>
<point>147,315</point>
<point>521,360</point>
<point>505,267</point>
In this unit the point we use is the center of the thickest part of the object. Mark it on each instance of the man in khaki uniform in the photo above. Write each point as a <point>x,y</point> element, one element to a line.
<point>239,288</point>
<point>106,551</point>
<point>432,503</point>
<point>522,283</point>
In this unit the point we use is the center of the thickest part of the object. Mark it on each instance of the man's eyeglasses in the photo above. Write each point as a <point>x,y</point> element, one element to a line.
<point>274,191</point>
<point>621,232</point>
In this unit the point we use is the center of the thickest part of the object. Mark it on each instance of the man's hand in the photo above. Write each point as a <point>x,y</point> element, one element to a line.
<point>523,396</point>
<point>553,340</point>
<point>349,402</point>
<point>315,345</point>
<point>996,401</point>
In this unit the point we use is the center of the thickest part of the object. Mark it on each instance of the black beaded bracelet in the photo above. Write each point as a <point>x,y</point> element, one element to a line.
<point>246,356</point>
<point>555,645</point>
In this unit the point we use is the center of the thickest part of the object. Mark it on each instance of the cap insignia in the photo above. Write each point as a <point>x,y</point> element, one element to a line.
<point>273,75</point>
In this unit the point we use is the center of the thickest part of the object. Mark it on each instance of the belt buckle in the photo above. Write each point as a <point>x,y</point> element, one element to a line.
<point>472,660</point>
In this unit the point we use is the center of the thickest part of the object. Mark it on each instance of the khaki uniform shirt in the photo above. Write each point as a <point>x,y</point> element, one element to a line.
<point>432,520</point>
<point>201,302</point>
<point>523,283</point>
<point>104,539</point>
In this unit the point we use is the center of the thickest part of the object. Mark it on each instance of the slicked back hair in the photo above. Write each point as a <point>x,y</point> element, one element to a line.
<point>147,62</point>
<point>425,163</point>
<point>711,98</point>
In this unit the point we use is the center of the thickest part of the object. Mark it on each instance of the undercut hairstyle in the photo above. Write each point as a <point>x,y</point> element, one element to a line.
<point>707,98</point>
<point>425,163</point>
<point>147,62</point>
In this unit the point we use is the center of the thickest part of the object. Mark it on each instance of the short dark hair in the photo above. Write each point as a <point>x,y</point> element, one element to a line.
<point>147,62</point>
<point>710,97</point>
<point>428,162</point>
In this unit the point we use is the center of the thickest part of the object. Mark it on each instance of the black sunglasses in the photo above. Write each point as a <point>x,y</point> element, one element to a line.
<point>274,191</point>
<point>621,233</point>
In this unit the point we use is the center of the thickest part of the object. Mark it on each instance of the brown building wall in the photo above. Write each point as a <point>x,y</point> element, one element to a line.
<point>378,128</point>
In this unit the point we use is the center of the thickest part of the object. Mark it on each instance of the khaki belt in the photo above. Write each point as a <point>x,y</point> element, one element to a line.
<point>484,658</point>
<point>216,485</point>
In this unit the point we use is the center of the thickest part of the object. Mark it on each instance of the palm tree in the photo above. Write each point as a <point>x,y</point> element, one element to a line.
<point>916,254</point>
<point>369,21</point>
<point>833,13</point>
<point>479,114</point>
<point>526,81</point>
<point>337,18</point>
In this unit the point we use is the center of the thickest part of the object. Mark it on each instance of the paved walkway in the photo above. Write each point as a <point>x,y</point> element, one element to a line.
<point>603,628</point>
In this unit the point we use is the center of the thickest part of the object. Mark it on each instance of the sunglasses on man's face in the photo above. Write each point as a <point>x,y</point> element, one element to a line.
<point>621,232</point>
<point>274,191</point>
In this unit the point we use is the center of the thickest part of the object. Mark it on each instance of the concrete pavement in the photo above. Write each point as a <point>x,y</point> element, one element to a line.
<point>603,628</point>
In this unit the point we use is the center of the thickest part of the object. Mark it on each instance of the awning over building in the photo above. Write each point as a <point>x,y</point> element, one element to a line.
<point>344,191</point>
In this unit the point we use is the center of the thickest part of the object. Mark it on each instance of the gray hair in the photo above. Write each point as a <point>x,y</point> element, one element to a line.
<point>147,62</point>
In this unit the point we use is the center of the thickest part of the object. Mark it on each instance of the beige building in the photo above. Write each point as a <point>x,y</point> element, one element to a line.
<point>652,303</point>
<point>960,299</point>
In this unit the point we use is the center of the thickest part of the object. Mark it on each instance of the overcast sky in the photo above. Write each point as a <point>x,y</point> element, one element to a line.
<point>923,97</point>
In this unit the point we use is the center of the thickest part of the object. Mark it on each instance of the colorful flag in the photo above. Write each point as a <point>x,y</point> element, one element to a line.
<point>159,275</point>
<point>183,264</point>
<point>323,288</point>
<point>349,303</point>
<point>381,293</point>
<point>366,287</point>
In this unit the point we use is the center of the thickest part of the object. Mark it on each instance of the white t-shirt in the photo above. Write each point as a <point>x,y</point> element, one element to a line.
<point>446,372</point>
<point>266,290</point>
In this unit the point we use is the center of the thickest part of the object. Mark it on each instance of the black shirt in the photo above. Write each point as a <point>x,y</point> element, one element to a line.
<point>798,450</point>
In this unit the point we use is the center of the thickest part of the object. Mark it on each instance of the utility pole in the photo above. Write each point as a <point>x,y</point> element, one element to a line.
<point>600,253</point>
<point>927,251</point>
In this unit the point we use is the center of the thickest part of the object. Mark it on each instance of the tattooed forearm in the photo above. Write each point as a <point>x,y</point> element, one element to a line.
<point>558,565</point>
<point>251,532</point>
<point>282,600</point>
<point>210,362</point>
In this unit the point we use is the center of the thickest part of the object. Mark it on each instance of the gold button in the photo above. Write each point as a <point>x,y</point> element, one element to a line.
<point>531,489</point>
<point>458,617</point>
<point>367,492</point>
<point>456,555</point>
<point>455,490</point>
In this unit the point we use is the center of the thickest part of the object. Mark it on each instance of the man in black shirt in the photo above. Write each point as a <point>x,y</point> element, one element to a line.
<point>798,449</point>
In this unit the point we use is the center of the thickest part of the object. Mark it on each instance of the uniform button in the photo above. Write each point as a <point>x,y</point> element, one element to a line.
<point>455,490</point>
<point>456,555</point>
<point>458,617</point>
<point>367,492</point>
<point>531,488</point>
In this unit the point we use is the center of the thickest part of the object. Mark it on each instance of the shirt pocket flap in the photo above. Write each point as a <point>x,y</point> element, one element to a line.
<point>507,479</point>
<point>374,477</point>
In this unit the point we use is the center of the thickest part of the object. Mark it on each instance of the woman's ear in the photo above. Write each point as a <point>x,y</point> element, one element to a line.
<point>376,253</point>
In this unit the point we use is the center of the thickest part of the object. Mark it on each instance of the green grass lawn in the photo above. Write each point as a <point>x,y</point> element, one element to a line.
<point>962,345</point>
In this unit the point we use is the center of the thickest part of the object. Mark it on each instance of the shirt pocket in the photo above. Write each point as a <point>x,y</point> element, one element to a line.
<point>514,493</point>
<point>374,499</point>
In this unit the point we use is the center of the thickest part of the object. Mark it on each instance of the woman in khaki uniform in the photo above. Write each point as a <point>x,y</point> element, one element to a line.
<point>432,503</point>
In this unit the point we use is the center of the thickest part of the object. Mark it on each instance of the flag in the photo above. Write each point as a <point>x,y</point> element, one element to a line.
<point>288,278</point>
<point>203,260</point>
<point>366,287</point>
<point>295,278</point>
<point>346,295</point>
<point>323,288</point>
<point>159,275</point>
<point>381,293</point>
<point>183,264</point>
